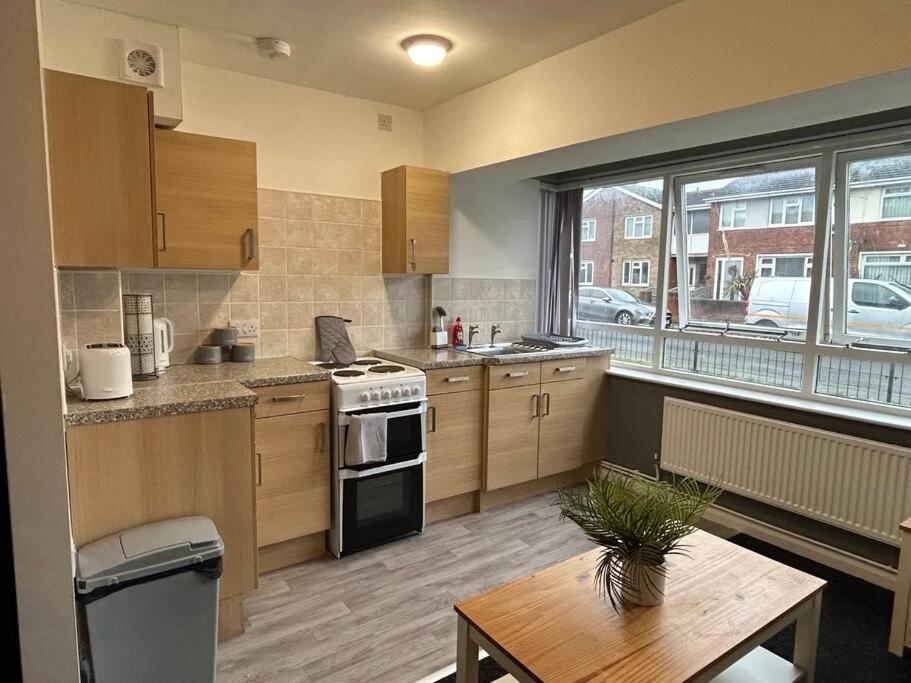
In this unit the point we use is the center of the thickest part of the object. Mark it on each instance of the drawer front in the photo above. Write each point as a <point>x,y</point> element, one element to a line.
<point>567,368</point>
<point>287,399</point>
<point>451,380</point>
<point>514,375</point>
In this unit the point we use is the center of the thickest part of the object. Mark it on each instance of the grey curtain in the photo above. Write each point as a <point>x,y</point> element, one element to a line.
<point>558,266</point>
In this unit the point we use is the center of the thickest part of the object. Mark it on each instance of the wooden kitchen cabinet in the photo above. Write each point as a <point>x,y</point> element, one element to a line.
<point>415,220</point>
<point>99,158</point>
<point>123,474</point>
<point>512,436</point>
<point>292,479</point>
<point>455,442</point>
<point>205,189</point>
<point>561,440</point>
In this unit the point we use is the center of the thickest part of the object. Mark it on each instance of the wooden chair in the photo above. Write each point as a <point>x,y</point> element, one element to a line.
<point>900,635</point>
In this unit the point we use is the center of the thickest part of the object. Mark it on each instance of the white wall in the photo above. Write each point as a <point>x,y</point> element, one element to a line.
<point>85,40</point>
<point>691,59</point>
<point>29,361</point>
<point>307,140</point>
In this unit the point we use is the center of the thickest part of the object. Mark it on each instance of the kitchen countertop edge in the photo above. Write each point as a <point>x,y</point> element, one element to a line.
<point>434,359</point>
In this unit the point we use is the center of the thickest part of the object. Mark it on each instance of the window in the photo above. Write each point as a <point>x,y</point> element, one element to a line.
<point>638,227</point>
<point>728,272</point>
<point>888,266</point>
<point>792,210</point>
<point>586,272</point>
<point>896,202</point>
<point>588,229</point>
<point>798,265</point>
<point>635,273</point>
<point>697,221</point>
<point>733,214</point>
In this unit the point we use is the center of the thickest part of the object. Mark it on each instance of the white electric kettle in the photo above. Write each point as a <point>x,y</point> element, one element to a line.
<point>163,332</point>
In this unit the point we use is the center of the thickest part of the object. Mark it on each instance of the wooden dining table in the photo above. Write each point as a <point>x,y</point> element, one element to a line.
<point>721,603</point>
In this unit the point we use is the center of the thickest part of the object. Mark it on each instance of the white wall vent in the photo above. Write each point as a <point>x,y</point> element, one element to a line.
<point>141,63</point>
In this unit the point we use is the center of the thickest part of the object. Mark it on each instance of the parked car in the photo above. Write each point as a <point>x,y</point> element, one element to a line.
<point>610,305</point>
<point>875,308</point>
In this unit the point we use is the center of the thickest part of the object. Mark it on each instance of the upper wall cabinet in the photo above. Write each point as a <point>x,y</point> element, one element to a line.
<point>415,220</point>
<point>205,190</point>
<point>99,153</point>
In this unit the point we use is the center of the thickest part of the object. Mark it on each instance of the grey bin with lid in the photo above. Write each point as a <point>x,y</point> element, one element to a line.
<point>148,602</point>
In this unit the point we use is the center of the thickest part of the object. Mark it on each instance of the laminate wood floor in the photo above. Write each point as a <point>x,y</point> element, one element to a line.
<point>386,614</point>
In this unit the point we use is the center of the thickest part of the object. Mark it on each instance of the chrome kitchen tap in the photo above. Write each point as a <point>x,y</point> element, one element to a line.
<point>472,331</point>
<point>494,330</point>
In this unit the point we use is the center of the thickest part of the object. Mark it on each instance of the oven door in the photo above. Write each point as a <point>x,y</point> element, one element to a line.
<point>381,504</point>
<point>405,432</point>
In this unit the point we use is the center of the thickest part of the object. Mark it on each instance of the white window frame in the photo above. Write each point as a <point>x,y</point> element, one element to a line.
<point>807,263</point>
<point>784,209</point>
<point>592,225</point>
<point>737,206</point>
<point>882,201</point>
<point>716,289</point>
<point>647,220</point>
<point>589,267</point>
<point>627,272</point>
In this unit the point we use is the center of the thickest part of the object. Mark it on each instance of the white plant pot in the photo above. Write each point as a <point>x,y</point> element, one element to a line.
<point>646,585</point>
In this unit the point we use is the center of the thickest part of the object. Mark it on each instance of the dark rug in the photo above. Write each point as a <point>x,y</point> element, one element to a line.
<point>853,632</point>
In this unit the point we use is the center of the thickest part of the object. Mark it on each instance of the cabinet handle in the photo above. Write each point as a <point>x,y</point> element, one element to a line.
<point>259,469</point>
<point>433,418</point>
<point>568,368</point>
<point>546,404</point>
<point>537,412</point>
<point>414,253</point>
<point>290,397</point>
<point>457,379</point>
<point>523,373</point>
<point>162,243</point>
<point>251,243</point>
<point>322,437</point>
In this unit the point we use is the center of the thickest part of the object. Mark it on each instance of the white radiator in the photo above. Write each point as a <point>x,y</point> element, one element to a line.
<point>858,485</point>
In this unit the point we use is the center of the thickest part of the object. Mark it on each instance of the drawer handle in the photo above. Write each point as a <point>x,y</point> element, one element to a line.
<point>464,378</point>
<point>259,469</point>
<point>290,397</point>
<point>568,368</point>
<point>537,412</point>
<point>433,419</point>
<point>523,373</point>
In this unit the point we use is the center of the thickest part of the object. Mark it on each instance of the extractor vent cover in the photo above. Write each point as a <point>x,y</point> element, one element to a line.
<point>141,63</point>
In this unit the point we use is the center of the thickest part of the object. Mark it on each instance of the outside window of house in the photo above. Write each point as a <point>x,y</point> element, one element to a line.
<point>733,214</point>
<point>792,210</point>
<point>635,273</point>
<point>800,265</point>
<point>638,227</point>
<point>586,272</point>
<point>896,202</point>
<point>892,267</point>
<point>588,229</point>
<point>698,221</point>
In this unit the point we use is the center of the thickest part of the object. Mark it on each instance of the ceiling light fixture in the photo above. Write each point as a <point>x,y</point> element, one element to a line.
<point>427,50</point>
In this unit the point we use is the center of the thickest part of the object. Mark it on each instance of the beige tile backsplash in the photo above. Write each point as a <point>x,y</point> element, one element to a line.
<point>319,255</point>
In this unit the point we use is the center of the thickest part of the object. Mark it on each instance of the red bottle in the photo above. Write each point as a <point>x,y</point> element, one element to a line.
<point>458,336</point>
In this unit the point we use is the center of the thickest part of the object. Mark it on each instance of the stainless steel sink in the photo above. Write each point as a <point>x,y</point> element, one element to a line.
<point>494,350</point>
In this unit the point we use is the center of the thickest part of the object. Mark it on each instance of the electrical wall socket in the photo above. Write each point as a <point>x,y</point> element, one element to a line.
<point>384,121</point>
<point>246,328</point>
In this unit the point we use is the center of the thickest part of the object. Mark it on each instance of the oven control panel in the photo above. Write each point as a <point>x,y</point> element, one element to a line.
<point>366,394</point>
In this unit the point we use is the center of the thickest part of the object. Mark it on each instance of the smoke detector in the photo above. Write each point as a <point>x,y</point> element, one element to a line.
<point>141,63</point>
<point>273,48</point>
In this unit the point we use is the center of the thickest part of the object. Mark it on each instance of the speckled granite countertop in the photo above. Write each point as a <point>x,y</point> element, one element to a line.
<point>435,359</point>
<point>193,389</point>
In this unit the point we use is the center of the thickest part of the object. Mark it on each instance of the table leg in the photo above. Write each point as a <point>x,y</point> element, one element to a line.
<point>466,655</point>
<point>806,638</point>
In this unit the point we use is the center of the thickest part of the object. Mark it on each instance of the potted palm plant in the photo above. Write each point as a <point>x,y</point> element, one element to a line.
<point>638,522</point>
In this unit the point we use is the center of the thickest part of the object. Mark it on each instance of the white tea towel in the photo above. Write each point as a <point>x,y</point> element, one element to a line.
<point>366,439</point>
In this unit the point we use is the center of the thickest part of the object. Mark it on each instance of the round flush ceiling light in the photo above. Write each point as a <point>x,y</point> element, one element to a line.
<point>427,50</point>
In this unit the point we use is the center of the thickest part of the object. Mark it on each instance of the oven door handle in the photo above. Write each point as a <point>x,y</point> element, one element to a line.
<point>345,418</point>
<point>359,474</point>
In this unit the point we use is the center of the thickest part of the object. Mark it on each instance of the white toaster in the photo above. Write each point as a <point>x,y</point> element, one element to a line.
<point>104,371</point>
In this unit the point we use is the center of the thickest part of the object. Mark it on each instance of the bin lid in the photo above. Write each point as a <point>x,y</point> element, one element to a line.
<point>145,551</point>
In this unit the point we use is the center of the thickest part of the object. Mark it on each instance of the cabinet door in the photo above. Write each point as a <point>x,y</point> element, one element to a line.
<point>427,221</point>
<point>565,406</point>
<point>512,436</point>
<point>99,146</point>
<point>205,190</point>
<point>292,478</point>
<point>454,444</point>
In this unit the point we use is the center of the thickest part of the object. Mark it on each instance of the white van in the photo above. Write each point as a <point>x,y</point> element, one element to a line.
<point>875,308</point>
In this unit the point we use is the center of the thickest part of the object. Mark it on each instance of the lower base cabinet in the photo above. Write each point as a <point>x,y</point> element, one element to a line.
<point>561,435</point>
<point>512,436</point>
<point>455,439</point>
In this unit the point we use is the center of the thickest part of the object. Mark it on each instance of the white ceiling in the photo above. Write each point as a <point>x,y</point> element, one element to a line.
<point>352,46</point>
